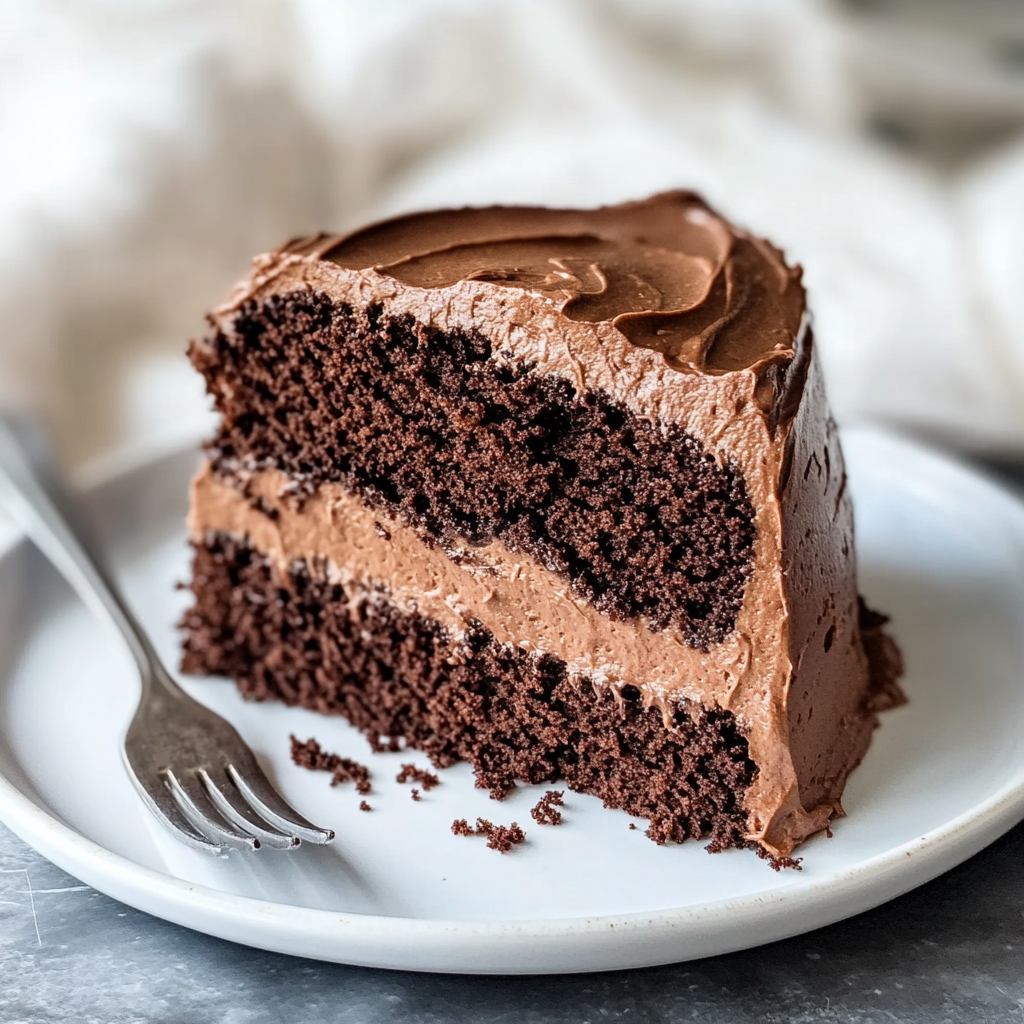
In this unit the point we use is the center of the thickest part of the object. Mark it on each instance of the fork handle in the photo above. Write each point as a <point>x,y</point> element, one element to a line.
<point>40,506</point>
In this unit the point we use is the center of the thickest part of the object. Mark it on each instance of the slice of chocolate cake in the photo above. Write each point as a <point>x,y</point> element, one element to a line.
<point>555,492</point>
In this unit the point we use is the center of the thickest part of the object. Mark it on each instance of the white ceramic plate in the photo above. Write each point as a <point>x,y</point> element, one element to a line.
<point>941,549</point>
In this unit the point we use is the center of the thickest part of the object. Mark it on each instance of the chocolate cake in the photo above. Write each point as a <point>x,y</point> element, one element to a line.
<point>555,492</point>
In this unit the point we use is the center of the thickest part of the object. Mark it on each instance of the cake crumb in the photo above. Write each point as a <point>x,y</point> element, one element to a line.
<point>545,812</point>
<point>416,795</point>
<point>344,769</point>
<point>364,806</point>
<point>499,837</point>
<point>428,780</point>
<point>776,863</point>
<point>632,826</point>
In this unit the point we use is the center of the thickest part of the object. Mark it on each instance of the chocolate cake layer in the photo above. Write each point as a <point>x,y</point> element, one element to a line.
<point>422,423</point>
<point>514,716</point>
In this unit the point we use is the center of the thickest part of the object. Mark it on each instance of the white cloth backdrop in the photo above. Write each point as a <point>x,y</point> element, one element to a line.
<point>148,149</point>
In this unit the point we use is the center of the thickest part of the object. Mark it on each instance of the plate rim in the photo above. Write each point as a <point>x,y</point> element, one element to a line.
<point>516,946</point>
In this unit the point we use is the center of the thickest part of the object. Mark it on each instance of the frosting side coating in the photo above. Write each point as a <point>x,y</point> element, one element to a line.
<point>830,725</point>
<point>667,272</point>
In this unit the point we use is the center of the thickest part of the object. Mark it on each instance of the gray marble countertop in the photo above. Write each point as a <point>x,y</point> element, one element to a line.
<point>950,951</point>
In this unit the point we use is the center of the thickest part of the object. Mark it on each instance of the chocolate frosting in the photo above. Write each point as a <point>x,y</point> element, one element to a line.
<point>668,272</point>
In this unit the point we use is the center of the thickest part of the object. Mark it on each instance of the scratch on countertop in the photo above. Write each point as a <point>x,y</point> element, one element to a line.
<point>31,896</point>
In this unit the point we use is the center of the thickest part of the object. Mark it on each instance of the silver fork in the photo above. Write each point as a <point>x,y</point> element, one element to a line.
<point>190,766</point>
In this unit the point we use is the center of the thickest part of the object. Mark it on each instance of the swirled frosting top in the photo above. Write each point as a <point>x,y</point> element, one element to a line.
<point>668,272</point>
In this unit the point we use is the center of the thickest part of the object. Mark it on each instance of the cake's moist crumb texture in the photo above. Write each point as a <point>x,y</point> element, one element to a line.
<point>639,518</point>
<point>777,863</point>
<point>343,769</point>
<point>546,812</point>
<point>428,780</point>
<point>499,837</point>
<point>512,715</point>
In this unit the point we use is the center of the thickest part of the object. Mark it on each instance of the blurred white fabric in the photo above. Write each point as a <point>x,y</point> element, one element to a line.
<point>148,149</point>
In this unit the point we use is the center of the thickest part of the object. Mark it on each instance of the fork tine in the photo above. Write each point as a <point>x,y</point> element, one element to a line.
<point>243,816</point>
<point>269,805</point>
<point>174,820</point>
<point>226,834</point>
